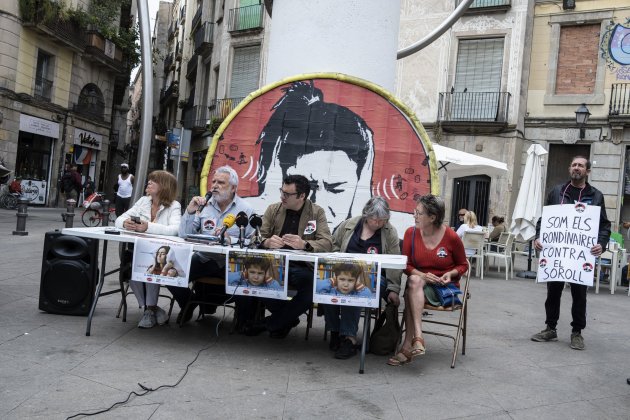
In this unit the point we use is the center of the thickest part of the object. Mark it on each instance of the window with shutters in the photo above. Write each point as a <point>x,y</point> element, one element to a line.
<point>43,76</point>
<point>476,93</point>
<point>245,71</point>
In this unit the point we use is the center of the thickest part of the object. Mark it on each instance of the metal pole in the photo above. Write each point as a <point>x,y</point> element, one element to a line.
<point>105,205</point>
<point>437,32</point>
<point>22,214</point>
<point>70,205</point>
<point>142,163</point>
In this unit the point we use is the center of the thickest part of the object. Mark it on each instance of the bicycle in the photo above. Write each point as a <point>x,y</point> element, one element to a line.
<point>93,215</point>
<point>8,200</point>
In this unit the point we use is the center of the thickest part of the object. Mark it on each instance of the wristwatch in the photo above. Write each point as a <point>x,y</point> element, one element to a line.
<point>308,247</point>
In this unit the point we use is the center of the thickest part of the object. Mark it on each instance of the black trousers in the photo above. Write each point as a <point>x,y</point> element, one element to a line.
<point>578,308</point>
<point>201,266</point>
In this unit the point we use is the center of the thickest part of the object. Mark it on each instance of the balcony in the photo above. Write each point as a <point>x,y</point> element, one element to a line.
<point>195,118</point>
<point>43,89</point>
<point>487,6</point>
<point>191,66</point>
<point>220,108</point>
<point>203,39</point>
<point>65,32</point>
<point>619,108</point>
<point>197,18</point>
<point>103,51</point>
<point>246,19</point>
<point>168,62</point>
<point>169,95</point>
<point>474,111</point>
<point>172,30</point>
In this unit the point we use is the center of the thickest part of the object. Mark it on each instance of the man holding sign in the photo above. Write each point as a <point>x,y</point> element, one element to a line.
<point>572,229</point>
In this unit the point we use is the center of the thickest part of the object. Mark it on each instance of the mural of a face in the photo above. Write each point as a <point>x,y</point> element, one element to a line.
<point>352,142</point>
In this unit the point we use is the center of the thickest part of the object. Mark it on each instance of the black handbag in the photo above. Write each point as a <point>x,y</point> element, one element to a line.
<point>386,332</point>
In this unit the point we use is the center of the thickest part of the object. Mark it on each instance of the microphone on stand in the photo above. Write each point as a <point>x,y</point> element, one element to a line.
<point>241,222</point>
<point>207,197</point>
<point>228,222</point>
<point>255,221</point>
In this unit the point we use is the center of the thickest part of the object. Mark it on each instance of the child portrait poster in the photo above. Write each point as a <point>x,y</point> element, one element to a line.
<point>162,262</point>
<point>348,282</point>
<point>256,273</point>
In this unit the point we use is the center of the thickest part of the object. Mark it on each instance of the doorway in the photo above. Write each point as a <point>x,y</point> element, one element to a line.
<point>472,193</point>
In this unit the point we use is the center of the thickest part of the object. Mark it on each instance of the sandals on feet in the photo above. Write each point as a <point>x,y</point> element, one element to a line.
<point>417,347</point>
<point>401,358</point>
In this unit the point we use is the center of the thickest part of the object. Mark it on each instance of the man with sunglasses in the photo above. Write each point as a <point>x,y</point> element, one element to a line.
<point>293,223</point>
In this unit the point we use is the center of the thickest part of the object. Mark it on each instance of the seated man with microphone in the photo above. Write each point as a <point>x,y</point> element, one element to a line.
<point>214,214</point>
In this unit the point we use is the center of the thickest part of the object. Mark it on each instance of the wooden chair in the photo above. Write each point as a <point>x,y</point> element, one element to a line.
<point>460,326</point>
<point>474,245</point>
<point>504,252</point>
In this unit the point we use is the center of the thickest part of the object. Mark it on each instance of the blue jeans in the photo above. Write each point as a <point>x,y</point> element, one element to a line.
<point>342,319</point>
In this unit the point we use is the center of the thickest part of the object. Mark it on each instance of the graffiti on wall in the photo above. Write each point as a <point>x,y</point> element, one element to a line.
<point>615,48</point>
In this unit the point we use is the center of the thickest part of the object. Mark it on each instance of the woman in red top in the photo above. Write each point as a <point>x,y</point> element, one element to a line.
<point>435,254</point>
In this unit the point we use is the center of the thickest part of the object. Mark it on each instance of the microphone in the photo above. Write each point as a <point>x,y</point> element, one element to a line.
<point>228,222</point>
<point>241,222</point>
<point>207,197</point>
<point>255,221</point>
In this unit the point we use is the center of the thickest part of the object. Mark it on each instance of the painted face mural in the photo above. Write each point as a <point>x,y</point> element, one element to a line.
<point>351,139</point>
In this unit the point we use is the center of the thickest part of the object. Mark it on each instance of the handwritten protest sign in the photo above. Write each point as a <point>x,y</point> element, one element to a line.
<point>567,233</point>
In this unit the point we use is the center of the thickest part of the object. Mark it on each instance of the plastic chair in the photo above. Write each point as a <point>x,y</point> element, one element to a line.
<point>504,252</point>
<point>474,245</point>
<point>460,326</point>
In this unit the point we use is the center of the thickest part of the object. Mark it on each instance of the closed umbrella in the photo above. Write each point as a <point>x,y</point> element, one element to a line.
<point>528,208</point>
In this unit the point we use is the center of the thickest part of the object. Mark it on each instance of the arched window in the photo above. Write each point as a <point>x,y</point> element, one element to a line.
<point>91,101</point>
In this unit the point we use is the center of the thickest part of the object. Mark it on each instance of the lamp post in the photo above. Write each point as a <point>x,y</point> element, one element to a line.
<point>581,117</point>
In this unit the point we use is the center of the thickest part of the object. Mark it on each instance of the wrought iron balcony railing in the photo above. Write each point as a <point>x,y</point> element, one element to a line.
<point>474,106</point>
<point>195,117</point>
<point>168,62</point>
<point>170,94</point>
<point>43,89</point>
<point>246,18</point>
<point>65,31</point>
<point>220,108</point>
<point>104,51</point>
<point>619,100</point>
<point>203,38</point>
<point>191,65</point>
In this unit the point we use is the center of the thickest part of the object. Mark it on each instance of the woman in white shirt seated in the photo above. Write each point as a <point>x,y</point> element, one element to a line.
<point>470,224</point>
<point>157,213</point>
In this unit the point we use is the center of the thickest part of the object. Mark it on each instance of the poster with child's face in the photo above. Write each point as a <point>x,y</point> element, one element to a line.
<point>256,273</point>
<point>349,282</point>
<point>162,262</point>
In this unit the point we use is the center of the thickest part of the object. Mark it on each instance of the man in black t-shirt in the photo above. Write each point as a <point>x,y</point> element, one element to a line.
<point>573,191</point>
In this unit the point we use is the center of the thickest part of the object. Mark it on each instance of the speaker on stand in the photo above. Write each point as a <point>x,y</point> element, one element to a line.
<point>69,274</point>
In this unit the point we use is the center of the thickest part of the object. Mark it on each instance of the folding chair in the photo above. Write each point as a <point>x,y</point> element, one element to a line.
<point>461,325</point>
<point>474,245</point>
<point>504,252</point>
<point>210,281</point>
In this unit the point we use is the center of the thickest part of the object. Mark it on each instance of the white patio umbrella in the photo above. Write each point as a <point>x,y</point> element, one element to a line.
<point>528,208</point>
<point>457,163</point>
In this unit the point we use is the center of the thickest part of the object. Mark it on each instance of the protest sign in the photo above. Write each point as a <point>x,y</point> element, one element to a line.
<point>161,261</point>
<point>256,273</point>
<point>567,233</point>
<point>346,281</point>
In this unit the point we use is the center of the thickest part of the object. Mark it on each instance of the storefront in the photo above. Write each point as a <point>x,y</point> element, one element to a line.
<point>34,156</point>
<point>86,145</point>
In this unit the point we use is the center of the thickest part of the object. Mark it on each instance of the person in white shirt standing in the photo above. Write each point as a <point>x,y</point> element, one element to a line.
<point>124,188</point>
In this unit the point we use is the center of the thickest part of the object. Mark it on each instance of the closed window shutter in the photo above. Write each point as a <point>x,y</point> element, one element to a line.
<point>245,71</point>
<point>478,73</point>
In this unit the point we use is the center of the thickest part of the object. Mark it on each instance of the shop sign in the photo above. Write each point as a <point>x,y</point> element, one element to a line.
<point>87,139</point>
<point>35,125</point>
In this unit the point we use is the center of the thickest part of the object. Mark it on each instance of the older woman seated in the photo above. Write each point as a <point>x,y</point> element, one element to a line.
<point>158,213</point>
<point>435,255</point>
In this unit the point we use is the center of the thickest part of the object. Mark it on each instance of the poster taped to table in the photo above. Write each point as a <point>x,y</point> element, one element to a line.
<point>161,262</point>
<point>256,273</point>
<point>347,282</point>
<point>567,233</point>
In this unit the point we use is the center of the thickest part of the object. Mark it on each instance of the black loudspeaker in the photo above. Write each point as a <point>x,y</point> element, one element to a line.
<point>69,274</point>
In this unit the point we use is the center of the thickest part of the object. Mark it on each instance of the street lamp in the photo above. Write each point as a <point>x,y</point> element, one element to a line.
<point>581,117</point>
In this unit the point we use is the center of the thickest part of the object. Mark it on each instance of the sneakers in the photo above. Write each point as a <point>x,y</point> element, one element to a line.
<point>545,335</point>
<point>161,317</point>
<point>335,341</point>
<point>577,342</point>
<point>347,349</point>
<point>148,319</point>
